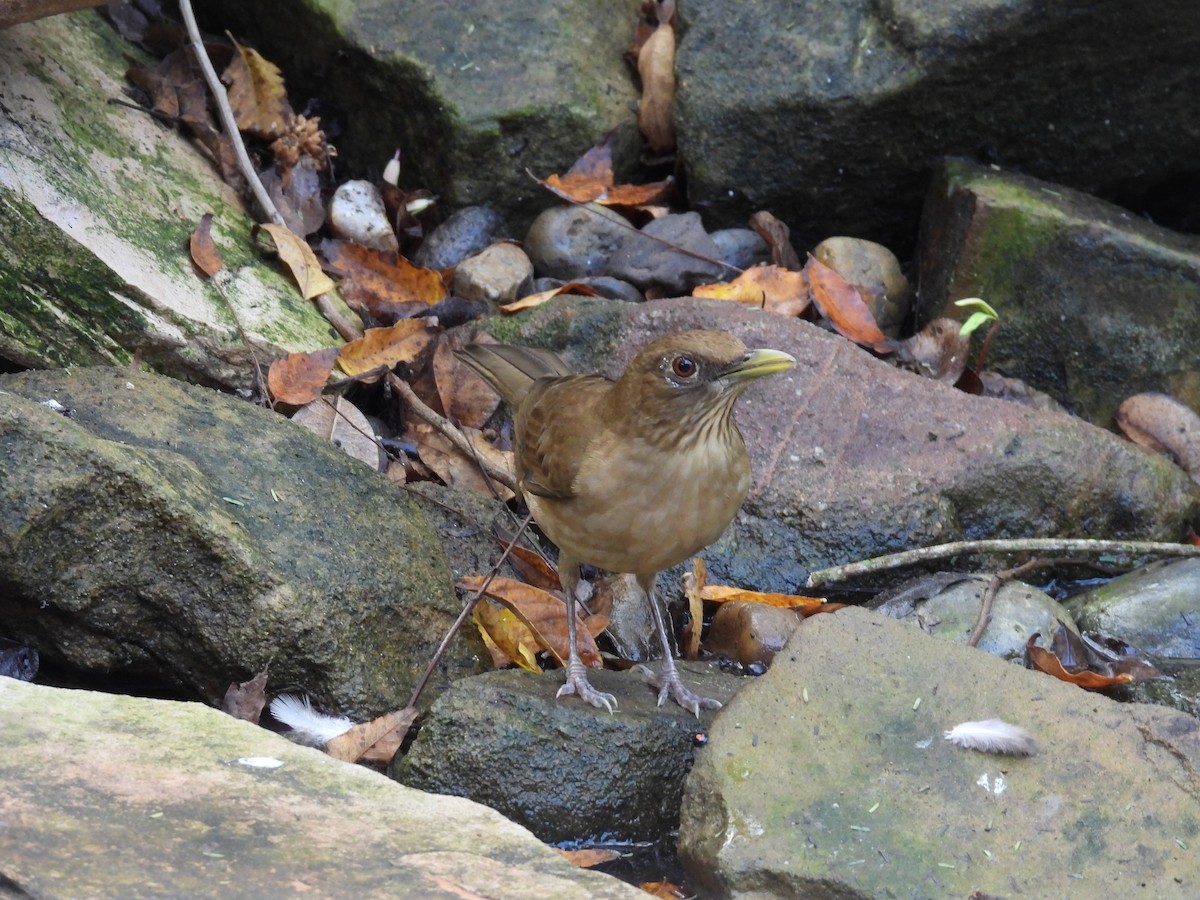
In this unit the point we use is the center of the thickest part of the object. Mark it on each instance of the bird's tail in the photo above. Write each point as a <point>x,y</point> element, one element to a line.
<point>510,370</point>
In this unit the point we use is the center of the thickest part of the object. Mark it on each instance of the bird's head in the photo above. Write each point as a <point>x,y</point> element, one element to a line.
<point>691,378</point>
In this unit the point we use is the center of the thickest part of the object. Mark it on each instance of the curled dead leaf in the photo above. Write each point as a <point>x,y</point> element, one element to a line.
<point>772,288</point>
<point>203,250</point>
<point>656,68</point>
<point>543,613</point>
<point>295,253</point>
<point>299,378</point>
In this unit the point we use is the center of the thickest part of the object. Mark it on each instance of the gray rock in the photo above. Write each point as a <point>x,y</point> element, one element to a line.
<point>570,242</point>
<point>952,607</point>
<point>178,800</point>
<point>828,760</point>
<point>827,114</point>
<point>176,535</point>
<point>1153,607</point>
<point>650,258</point>
<point>563,769</point>
<point>467,231</point>
<point>739,248</point>
<point>1095,303</point>
<point>844,442</point>
<point>473,97</point>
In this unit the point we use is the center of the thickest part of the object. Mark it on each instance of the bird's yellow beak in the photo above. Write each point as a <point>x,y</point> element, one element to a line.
<point>757,363</point>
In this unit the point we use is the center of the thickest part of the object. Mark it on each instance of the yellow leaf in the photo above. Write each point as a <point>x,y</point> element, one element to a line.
<point>298,257</point>
<point>403,342</point>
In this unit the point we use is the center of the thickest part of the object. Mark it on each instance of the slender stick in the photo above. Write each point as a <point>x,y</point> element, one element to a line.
<point>227,119</point>
<point>452,433</point>
<point>1017,545</point>
<point>467,609</point>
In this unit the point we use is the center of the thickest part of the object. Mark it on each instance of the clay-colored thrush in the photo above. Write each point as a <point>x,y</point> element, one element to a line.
<point>633,476</point>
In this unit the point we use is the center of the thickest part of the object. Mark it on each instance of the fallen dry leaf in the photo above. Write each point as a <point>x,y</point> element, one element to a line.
<point>375,741</point>
<point>842,304</point>
<point>1163,424</point>
<point>504,630</point>
<point>545,616</point>
<point>382,282</point>
<point>340,422</point>
<point>718,593</point>
<point>531,300</point>
<point>257,94</point>
<point>693,584</point>
<point>299,378</point>
<point>455,469</point>
<point>203,250</point>
<point>772,288</point>
<point>656,68</point>
<point>402,342</point>
<point>465,398</point>
<point>588,856</point>
<point>246,700</point>
<point>778,237</point>
<point>591,179</point>
<point>295,253</point>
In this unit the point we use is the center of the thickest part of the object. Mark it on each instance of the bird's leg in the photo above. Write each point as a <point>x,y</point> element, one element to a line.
<point>669,680</point>
<point>577,680</point>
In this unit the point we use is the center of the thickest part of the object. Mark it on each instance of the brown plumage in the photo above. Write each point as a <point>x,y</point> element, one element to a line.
<point>634,475</point>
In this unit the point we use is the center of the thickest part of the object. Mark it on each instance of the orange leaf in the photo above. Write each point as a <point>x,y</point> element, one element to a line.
<point>530,566</point>
<point>403,342</point>
<point>588,856</point>
<point>383,275</point>
<point>591,178</point>
<point>203,250</point>
<point>721,594</point>
<point>773,288</point>
<point>531,300</point>
<point>1046,662</point>
<point>656,68</point>
<point>842,304</point>
<point>299,378</point>
<point>543,613</point>
<point>298,257</point>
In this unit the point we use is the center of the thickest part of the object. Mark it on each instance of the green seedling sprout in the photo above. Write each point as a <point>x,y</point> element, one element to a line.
<point>983,313</point>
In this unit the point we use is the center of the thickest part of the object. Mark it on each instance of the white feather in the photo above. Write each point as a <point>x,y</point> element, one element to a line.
<point>993,736</point>
<point>310,726</point>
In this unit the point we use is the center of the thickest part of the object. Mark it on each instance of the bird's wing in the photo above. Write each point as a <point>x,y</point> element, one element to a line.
<point>555,424</point>
<point>512,371</point>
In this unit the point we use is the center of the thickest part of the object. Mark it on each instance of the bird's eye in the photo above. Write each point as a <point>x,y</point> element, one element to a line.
<point>683,366</point>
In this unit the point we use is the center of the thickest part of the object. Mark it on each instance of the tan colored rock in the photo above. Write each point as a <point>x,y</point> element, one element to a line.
<point>108,796</point>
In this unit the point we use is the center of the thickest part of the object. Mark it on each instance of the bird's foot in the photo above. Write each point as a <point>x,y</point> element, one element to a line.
<point>670,684</point>
<point>578,684</point>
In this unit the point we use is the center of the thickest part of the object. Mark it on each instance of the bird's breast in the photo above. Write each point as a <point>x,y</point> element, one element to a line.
<point>637,509</point>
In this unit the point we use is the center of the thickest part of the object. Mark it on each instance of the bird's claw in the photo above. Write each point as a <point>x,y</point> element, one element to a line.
<point>578,684</point>
<point>670,684</point>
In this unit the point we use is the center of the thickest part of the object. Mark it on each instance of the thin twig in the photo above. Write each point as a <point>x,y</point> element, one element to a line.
<point>222,100</point>
<point>342,325</point>
<point>467,609</point>
<point>451,432</point>
<point>1016,545</point>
